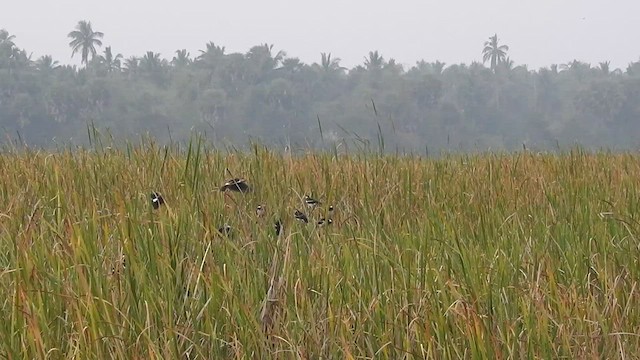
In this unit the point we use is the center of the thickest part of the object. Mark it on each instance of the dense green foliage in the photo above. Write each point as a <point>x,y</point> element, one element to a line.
<point>266,95</point>
<point>521,256</point>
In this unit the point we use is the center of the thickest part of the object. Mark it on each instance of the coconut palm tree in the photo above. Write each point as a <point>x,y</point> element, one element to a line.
<point>151,61</point>
<point>10,55</point>
<point>329,64</point>
<point>6,39</point>
<point>507,64</point>
<point>393,67</point>
<point>210,58</point>
<point>181,59</point>
<point>110,62</point>
<point>7,48</point>
<point>212,51</point>
<point>46,63</point>
<point>438,67</point>
<point>374,61</point>
<point>572,65</point>
<point>262,56</point>
<point>85,40</point>
<point>153,67</point>
<point>19,59</point>
<point>633,68</point>
<point>291,65</point>
<point>494,52</point>
<point>131,64</point>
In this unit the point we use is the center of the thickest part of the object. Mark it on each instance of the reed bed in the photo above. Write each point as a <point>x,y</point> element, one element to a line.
<point>510,256</point>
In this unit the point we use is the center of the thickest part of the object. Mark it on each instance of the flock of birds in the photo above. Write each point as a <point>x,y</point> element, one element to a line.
<point>240,185</point>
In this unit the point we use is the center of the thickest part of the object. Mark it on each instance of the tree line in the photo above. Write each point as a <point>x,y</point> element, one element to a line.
<point>267,96</point>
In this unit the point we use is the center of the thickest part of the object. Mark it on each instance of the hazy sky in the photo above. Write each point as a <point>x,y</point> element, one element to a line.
<point>539,33</point>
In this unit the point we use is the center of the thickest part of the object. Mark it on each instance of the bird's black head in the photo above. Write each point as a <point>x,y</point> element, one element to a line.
<point>156,200</point>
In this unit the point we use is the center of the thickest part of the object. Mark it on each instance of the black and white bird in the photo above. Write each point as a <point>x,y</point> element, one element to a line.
<point>237,185</point>
<point>311,202</point>
<point>323,222</point>
<point>156,200</point>
<point>225,229</point>
<point>300,216</point>
<point>277,226</point>
<point>261,210</point>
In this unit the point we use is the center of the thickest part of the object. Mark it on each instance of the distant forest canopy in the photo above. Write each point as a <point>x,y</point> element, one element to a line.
<point>266,96</point>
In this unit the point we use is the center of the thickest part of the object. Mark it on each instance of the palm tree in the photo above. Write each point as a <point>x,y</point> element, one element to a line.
<point>393,67</point>
<point>374,61</point>
<point>604,67</point>
<point>329,64</point>
<point>438,67</point>
<point>46,63</point>
<point>20,59</point>
<point>85,40</point>
<point>576,66</point>
<point>10,55</point>
<point>181,59</point>
<point>292,65</point>
<point>278,57</point>
<point>112,63</point>
<point>211,56</point>
<point>494,52</point>
<point>507,64</point>
<point>150,61</point>
<point>152,66</point>
<point>6,39</point>
<point>131,64</point>
<point>7,48</point>
<point>633,68</point>
<point>263,56</point>
<point>212,50</point>
<point>421,67</point>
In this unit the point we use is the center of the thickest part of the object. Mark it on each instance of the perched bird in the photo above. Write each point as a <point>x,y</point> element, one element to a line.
<point>261,210</point>
<point>120,265</point>
<point>278,227</point>
<point>311,202</point>
<point>330,212</point>
<point>301,216</point>
<point>156,200</point>
<point>237,185</point>
<point>224,229</point>
<point>323,222</point>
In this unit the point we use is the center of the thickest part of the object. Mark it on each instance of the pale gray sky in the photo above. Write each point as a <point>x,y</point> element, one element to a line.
<point>539,32</point>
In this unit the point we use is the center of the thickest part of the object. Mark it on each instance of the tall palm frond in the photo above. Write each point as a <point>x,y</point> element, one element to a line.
<point>85,40</point>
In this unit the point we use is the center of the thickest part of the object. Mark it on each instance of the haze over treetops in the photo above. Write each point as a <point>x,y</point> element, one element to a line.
<point>271,97</point>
